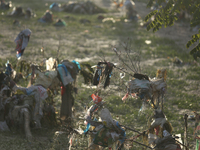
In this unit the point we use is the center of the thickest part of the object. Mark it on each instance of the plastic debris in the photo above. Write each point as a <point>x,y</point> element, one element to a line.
<point>108,20</point>
<point>60,23</point>
<point>59,132</point>
<point>17,12</point>
<point>4,5</point>
<point>56,7</point>
<point>29,13</point>
<point>51,63</point>
<point>4,126</point>
<point>22,41</point>
<point>177,61</point>
<point>47,18</point>
<point>82,8</point>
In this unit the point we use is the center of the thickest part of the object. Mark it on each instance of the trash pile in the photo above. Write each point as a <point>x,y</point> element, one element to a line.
<point>151,90</point>
<point>29,13</point>
<point>17,12</point>
<point>47,18</point>
<point>31,105</point>
<point>4,5</point>
<point>105,132</point>
<point>60,22</point>
<point>22,41</point>
<point>77,7</point>
<point>127,8</point>
<point>24,105</point>
<point>159,135</point>
<point>56,7</point>
<point>82,8</point>
<point>103,74</point>
<point>20,12</point>
<point>131,13</point>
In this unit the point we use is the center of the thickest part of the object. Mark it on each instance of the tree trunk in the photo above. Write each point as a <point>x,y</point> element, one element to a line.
<point>67,102</point>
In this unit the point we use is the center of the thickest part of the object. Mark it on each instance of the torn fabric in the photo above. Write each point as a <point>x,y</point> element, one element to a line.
<point>22,41</point>
<point>64,74</point>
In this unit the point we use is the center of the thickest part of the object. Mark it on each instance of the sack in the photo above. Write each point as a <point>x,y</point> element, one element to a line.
<point>158,84</point>
<point>45,79</point>
<point>106,118</point>
<point>138,84</point>
<point>102,137</point>
<point>68,71</point>
<point>65,76</point>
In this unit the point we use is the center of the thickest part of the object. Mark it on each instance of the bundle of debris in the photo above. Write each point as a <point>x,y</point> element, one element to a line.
<point>60,23</point>
<point>21,41</point>
<point>47,18</point>
<point>105,132</point>
<point>56,7</point>
<point>29,13</point>
<point>19,12</point>
<point>82,8</point>
<point>130,11</point>
<point>103,73</point>
<point>148,89</point>
<point>26,106</point>
<point>159,136</point>
<point>4,5</point>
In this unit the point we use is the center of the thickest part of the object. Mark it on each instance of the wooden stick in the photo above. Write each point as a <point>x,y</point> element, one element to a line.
<point>123,70</point>
<point>142,144</point>
<point>58,47</point>
<point>131,129</point>
<point>42,48</point>
<point>182,144</point>
<point>185,131</point>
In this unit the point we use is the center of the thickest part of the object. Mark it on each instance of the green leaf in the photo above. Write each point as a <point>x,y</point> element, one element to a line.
<point>150,15</point>
<point>194,39</point>
<point>194,50</point>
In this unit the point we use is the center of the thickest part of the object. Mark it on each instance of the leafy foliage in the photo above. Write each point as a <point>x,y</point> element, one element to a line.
<point>166,13</point>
